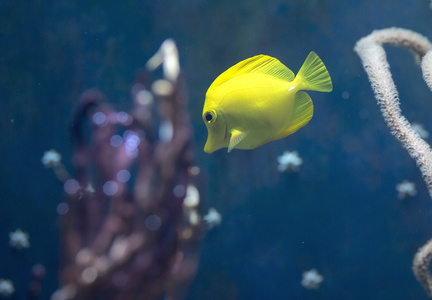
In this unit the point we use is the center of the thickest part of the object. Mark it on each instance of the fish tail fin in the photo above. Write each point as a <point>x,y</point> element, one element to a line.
<point>314,75</point>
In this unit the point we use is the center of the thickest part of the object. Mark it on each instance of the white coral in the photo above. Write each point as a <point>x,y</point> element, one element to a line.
<point>6,287</point>
<point>289,161</point>
<point>51,158</point>
<point>312,279</point>
<point>213,218</point>
<point>406,189</point>
<point>19,239</point>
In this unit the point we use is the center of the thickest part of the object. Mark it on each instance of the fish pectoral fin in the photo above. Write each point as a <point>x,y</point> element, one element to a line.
<point>236,137</point>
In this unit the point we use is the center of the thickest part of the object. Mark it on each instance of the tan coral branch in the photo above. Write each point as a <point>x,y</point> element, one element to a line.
<point>421,263</point>
<point>371,51</point>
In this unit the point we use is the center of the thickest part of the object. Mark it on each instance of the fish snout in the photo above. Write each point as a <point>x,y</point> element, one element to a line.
<point>208,148</point>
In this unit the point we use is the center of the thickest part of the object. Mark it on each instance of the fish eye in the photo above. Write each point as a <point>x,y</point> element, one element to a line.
<point>210,116</point>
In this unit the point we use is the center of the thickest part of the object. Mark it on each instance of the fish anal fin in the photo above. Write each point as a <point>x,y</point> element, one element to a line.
<point>260,64</point>
<point>314,75</point>
<point>236,137</point>
<point>302,114</point>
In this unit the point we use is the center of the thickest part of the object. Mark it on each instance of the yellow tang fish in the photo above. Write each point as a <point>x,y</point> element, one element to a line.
<point>260,100</point>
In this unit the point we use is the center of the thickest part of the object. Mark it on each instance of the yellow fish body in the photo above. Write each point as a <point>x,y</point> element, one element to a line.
<point>260,100</point>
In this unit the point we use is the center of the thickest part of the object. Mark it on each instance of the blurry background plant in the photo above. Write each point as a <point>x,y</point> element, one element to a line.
<point>130,226</point>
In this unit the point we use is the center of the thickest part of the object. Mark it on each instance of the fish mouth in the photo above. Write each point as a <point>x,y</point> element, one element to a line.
<point>207,149</point>
<point>216,138</point>
<point>210,146</point>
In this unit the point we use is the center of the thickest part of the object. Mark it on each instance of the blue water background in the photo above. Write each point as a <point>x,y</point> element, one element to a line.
<point>339,214</point>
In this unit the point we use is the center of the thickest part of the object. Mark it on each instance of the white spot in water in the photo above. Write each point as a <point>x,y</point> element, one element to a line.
<point>192,197</point>
<point>311,279</point>
<point>19,239</point>
<point>289,161</point>
<point>51,158</point>
<point>406,189</point>
<point>213,218</point>
<point>419,128</point>
<point>6,287</point>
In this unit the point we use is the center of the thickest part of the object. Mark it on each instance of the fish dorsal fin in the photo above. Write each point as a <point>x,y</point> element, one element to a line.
<point>260,64</point>
<point>301,115</point>
<point>236,137</point>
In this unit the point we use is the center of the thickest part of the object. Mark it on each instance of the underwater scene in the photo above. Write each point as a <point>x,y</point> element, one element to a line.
<point>215,149</point>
